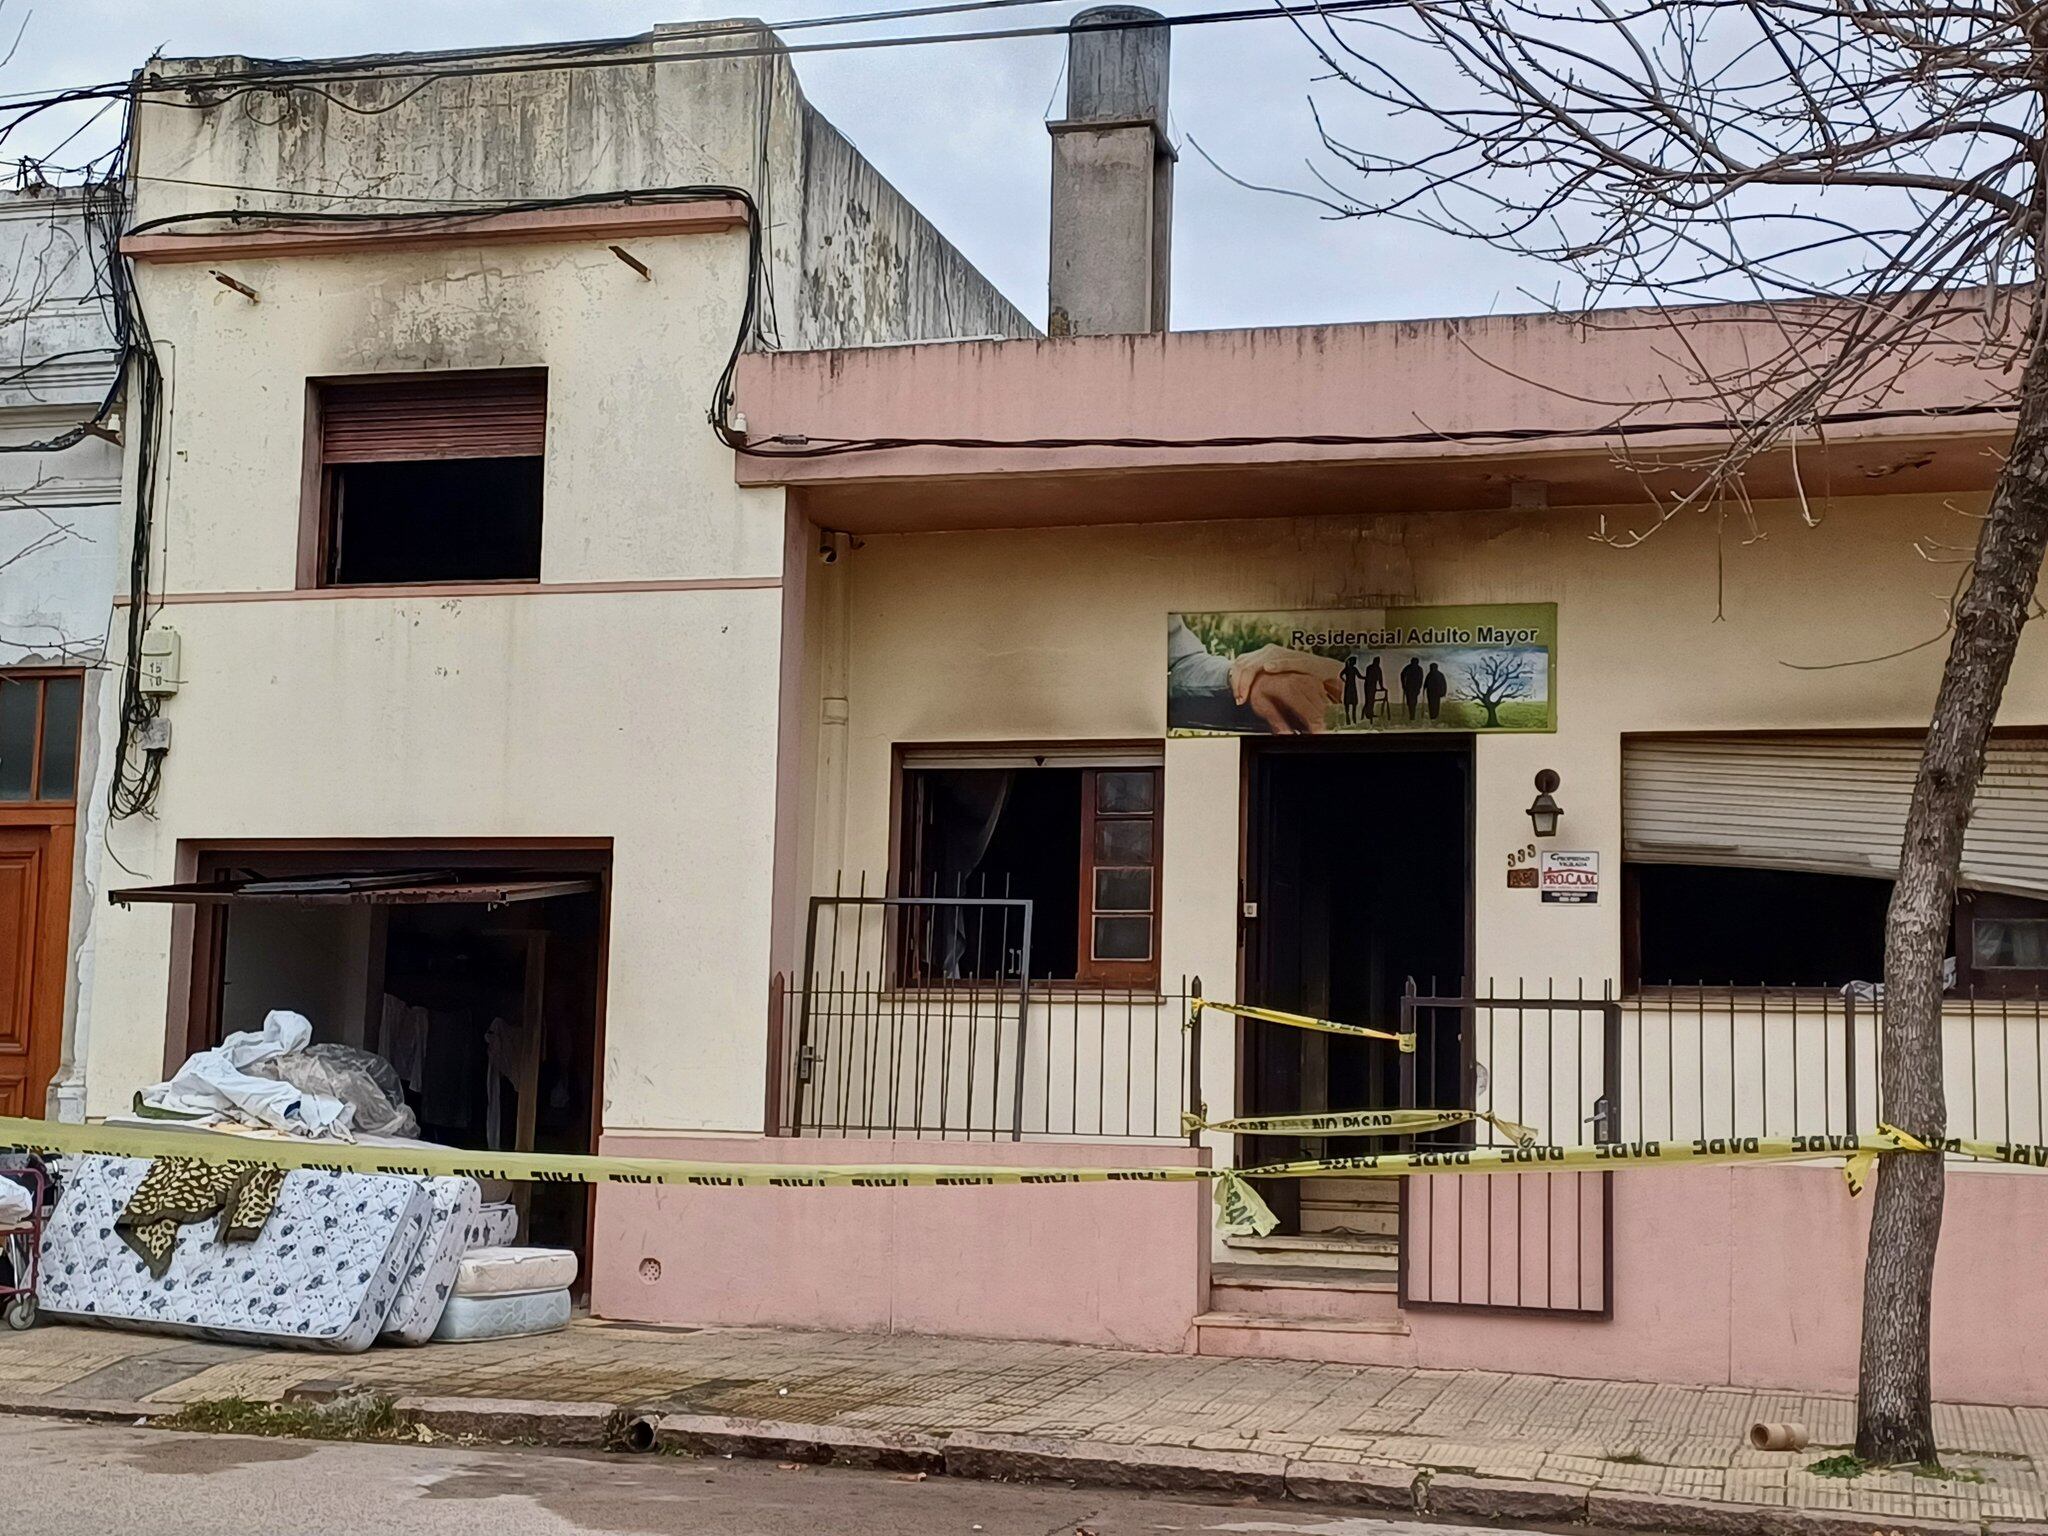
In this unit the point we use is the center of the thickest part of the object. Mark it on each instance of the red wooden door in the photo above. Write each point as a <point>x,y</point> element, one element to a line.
<point>35,888</point>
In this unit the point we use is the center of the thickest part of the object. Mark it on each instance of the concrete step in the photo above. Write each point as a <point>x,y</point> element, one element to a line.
<point>1329,1218</point>
<point>1331,1295</point>
<point>1374,1192</point>
<point>1365,1341</point>
<point>1378,1254</point>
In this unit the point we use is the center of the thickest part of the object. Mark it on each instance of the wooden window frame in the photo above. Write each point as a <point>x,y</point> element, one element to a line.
<point>1131,975</point>
<point>1088,970</point>
<point>317,502</point>
<point>1994,981</point>
<point>41,677</point>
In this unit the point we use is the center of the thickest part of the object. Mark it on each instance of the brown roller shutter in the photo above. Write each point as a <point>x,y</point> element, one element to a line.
<point>434,416</point>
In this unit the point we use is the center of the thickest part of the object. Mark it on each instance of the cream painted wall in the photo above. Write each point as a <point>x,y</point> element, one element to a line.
<point>1058,634</point>
<point>646,717</point>
<point>636,487</point>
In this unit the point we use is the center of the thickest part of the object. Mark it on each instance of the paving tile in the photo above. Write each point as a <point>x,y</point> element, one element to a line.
<point>1630,1437</point>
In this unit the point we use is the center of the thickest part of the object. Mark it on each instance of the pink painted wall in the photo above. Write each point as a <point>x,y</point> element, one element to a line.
<point>1754,1277</point>
<point>1124,1265</point>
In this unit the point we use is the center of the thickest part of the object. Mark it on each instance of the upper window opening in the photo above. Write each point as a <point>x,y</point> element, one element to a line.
<point>1080,843</point>
<point>39,717</point>
<point>431,478</point>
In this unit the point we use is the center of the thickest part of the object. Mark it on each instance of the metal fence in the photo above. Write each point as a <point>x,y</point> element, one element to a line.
<point>1579,1064</point>
<point>1673,1064</point>
<point>878,1036</point>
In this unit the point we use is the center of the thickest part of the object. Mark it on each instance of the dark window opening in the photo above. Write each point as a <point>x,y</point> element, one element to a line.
<point>1695,924</point>
<point>433,521</point>
<point>426,477</point>
<point>39,721</point>
<point>1081,844</point>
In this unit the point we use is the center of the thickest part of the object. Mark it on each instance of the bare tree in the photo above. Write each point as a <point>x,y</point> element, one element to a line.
<point>1871,172</point>
<point>1493,679</point>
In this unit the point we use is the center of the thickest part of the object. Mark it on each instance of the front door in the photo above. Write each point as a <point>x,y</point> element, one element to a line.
<point>39,724</point>
<point>1359,860</point>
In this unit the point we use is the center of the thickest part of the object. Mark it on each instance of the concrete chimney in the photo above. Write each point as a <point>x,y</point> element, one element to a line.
<point>1112,178</point>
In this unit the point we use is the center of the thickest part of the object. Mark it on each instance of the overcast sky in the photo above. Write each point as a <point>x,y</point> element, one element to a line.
<point>958,127</point>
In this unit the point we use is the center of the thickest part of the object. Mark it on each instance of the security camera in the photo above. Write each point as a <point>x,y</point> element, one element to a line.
<point>828,553</point>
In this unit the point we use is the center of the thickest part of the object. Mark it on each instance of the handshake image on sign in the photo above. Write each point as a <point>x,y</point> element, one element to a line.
<point>1291,691</point>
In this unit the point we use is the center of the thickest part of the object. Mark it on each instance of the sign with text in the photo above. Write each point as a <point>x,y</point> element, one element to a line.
<point>1491,668</point>
<point>1573,878</point>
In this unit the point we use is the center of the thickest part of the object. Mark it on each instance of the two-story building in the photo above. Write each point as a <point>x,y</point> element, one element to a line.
<point>467,647</point>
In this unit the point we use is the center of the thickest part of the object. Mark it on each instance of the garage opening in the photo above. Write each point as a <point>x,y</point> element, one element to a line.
<point>477,978</point>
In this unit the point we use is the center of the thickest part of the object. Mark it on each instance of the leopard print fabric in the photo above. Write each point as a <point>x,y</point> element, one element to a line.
<point>177,1190</point>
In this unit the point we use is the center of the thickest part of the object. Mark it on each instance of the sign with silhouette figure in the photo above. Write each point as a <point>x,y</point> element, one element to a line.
<point>1491,668</point>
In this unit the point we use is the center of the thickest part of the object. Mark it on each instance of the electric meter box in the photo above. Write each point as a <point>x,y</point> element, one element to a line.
<point>161,672</point>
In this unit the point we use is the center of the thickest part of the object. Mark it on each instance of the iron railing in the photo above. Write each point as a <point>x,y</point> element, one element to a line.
<point>882,1035</point>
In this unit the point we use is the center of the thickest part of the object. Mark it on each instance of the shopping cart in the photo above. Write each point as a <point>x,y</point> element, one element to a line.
<point>21,1249</point>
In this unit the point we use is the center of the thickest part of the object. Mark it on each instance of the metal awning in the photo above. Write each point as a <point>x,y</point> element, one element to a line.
<point>382,888</point>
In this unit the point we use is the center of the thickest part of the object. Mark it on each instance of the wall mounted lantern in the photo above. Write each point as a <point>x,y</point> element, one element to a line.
<point>1544,810</point>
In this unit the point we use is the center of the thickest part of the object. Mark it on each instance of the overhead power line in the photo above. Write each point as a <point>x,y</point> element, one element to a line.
<point>476,63</point>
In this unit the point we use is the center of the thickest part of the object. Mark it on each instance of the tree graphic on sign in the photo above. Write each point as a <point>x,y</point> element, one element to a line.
<point>1495,678</point>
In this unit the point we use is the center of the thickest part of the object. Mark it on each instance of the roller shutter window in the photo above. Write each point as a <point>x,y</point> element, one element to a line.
<point>434,416</point>
<point>1826,805</point>
<point>430,478</point>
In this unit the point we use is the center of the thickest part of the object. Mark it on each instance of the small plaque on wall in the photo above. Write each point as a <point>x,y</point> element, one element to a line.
<point>1568,876</point>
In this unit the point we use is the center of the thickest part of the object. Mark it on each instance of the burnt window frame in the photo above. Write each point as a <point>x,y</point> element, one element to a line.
<point>318,503</point>
<point>1139,976</point>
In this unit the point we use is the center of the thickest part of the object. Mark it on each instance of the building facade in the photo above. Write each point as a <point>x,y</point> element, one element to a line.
<point>457,609</point>
<point>60,561</point>
<point>919,767</point>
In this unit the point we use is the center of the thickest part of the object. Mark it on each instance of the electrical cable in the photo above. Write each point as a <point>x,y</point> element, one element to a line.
<point>797,446</point>
<point>276,75</point>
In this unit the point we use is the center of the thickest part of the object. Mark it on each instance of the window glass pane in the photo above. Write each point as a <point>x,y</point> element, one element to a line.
<point>60,737</point>
<point>1123,938</point>
<point>1123,842</point>
<point>1123,890</point>
<point>17,738</point>
<point>1123,792</point>
<point>2009,943</point>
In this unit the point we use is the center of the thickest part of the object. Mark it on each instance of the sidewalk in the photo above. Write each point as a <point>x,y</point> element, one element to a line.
<point>1475,1445</point>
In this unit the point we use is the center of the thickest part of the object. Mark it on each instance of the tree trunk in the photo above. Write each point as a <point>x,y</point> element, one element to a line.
<point>1895,1402</point>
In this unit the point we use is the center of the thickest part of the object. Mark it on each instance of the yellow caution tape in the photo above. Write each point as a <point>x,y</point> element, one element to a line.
<point>1239,1210</point>
<point>1360,1122</point>
<point>1241,1207</point>
<point>1301,1021</point>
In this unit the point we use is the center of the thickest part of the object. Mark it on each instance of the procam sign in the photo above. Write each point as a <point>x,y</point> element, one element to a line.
<point>1569,877</point>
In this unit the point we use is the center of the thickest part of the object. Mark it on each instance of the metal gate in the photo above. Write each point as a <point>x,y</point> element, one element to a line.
<point>1521,1242</point>
<point>889,1038</point>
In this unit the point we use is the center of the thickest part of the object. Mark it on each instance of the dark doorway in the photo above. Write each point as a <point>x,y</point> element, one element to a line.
<point>1360,864</point>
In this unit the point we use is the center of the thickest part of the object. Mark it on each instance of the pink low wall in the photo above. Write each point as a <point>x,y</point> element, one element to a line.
<point>1124,1264</point>
<point>1754,1277</point>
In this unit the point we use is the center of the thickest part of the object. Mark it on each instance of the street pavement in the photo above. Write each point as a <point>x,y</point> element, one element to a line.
<point>1468,1445</point>
<point>78,1479</point>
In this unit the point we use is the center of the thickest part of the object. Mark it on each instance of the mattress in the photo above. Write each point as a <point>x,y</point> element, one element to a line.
<point>496,1226</point>
<point>322,1274</point>
<point>515,1271</point>
<point>430,1279</point>
<point>471,1319</point>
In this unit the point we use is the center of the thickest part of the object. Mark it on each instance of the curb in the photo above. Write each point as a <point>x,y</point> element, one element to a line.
<point>86,1410</point>
<point>1390,1488</point>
